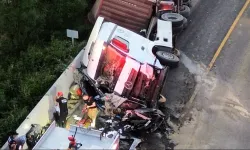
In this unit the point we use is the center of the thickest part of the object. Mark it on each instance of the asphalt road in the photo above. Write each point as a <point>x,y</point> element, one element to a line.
<point>208,24</point>
<point>220,116</point>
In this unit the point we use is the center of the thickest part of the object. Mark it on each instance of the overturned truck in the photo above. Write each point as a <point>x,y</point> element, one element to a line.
<point>125,72</point>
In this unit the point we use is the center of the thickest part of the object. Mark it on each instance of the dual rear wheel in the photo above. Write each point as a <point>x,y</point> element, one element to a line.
<point>167,59</point>
<point>179,20</point>
<point>167,56</point>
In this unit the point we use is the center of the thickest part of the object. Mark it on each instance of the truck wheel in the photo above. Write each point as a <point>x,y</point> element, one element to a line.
<point>167,59</point>
<point>185,23</point>
<point>177,30</point>
<point>162,48</point>
<point>187,3</point>
<point>185,11</point>
<point>176,19</point>
<point>167,49</point>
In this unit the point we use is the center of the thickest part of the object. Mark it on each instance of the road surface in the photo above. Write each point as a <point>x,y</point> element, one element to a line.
<point>209,22</point>
<point>220,116</point>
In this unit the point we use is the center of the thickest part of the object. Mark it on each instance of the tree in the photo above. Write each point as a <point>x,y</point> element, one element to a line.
<point>34,52</point>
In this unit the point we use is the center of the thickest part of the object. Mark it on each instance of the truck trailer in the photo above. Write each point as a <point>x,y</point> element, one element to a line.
<point>136,15</point>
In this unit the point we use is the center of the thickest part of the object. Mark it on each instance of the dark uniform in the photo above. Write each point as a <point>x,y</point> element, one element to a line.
<point>63,110</point>
<point>11,139</point>
<point>89,102</point>
<point>92,111</point>
<point>12,142</point>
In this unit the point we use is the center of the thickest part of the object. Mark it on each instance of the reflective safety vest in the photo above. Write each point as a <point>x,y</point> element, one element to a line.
<point>75,92</point>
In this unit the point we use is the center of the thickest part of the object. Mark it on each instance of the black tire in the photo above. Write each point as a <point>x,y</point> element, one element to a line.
<point>167,59</point>
<point>185,11</point>
<point>167,49</point>
<point>176,19</point>
<point>162,48</point>
<point>187,3</point>
<point>179,29</point>
<point>185,23</point>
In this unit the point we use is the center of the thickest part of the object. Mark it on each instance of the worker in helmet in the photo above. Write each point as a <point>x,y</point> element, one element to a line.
<point>15,146</point>
<point>62,102</point>
<point>12,138</point>
<point>75,94</point>
<point>90,107</point>
<point>14,142</point>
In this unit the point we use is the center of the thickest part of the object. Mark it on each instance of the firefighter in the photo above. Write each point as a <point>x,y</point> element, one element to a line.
<point>30,141</point>
<point>90,107</point>
<point>75,94</point>
<point>15,146</point>
<point>12,138</point>
<point>14,142</point>
<point>62,102</point>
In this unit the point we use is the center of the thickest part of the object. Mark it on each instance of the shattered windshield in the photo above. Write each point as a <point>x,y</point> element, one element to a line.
<point>111,66</point>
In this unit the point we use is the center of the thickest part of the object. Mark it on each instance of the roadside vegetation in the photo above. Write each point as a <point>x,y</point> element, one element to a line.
<point>34,51</point>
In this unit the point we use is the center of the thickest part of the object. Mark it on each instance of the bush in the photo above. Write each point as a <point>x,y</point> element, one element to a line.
<point>34,52</point>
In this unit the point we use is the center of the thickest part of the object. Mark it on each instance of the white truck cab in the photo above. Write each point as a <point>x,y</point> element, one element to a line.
<point>120,54</point>
<point>139,47</point>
